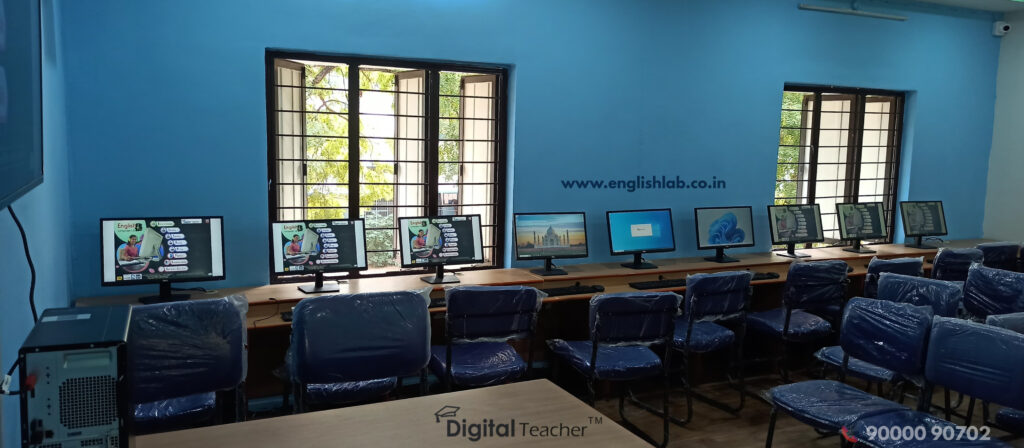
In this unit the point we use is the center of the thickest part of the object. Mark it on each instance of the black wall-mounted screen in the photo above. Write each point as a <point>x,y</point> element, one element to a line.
<point>21,129</point>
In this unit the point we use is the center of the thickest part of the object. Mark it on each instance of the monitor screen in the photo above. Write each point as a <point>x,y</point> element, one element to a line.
<point>440,240</point>
<point>794,224</point>
<point>153,250</point>
<point>923,218</point>
<point>550,235</point>
<point>864,221</point>
<point>724,227</point>
<point>328,245</point>
<point>638,231</point>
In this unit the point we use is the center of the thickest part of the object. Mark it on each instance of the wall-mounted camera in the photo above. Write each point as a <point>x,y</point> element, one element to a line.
<point>1000,29</point>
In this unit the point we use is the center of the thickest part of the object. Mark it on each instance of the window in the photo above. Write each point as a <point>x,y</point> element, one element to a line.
<point>839,145</point>
<point>381,139</point>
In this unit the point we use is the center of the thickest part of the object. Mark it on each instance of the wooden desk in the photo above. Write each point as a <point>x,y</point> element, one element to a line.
<point>411,422</point>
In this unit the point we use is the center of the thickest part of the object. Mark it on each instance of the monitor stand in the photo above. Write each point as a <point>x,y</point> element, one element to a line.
<point>318,285</point>
<point>857,249</point>
<point>164,296</point>
<point>639,263</point>
<point>792,253</point>
<point>439,277</point>
<point>549,269</point>
<point>917,242</point>
<point>720,256</point>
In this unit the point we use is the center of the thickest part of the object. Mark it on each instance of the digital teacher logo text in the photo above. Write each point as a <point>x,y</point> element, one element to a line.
<point>644,183</point>
<point>476,429</point>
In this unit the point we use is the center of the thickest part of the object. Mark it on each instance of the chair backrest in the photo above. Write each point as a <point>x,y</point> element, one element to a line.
<point>952,264</point>
<point>506,312</point>
<point>633,317</point>
<point>718,295</point>
<point>183,348</point>
<point>982,361</point>
<point>877,266</point>
<point>1000,255</point>
<point>888,334</point>
<point>943,297</point>
<point>993,291</point>
<point>1012,321</point>
<point>359,337</point>
<point>814,284</point>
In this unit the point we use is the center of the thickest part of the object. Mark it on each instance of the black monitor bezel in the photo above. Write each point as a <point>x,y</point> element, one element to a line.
<point>297,276</point>
<point>402,244</point>
<point>843,236</point>
<point>611,249</point>
<point>223,255</point>
<point>515,228</point>
<point>771,225</point>
<point>904,220</point>
<point>696,228</point>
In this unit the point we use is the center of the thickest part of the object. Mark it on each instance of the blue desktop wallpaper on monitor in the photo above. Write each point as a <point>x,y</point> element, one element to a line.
<point>641,231</point>
<point>724,227</point>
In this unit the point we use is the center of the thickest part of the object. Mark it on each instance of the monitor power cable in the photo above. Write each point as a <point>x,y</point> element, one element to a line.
<point>31,266</point>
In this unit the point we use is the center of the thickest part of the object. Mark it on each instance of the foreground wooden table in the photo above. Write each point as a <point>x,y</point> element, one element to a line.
<point>539,405</point>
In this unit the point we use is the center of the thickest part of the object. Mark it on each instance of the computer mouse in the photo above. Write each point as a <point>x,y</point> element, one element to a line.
<point>849,269</point>
<point>599,288</point>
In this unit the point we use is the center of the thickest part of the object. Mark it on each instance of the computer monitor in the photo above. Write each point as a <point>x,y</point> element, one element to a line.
<point>163,251</point>
<point>920,219</point>
<point>720,228</point>
<point>317,247</point>
<point>439,240</point>
<point>795,224</point>
<point>546,236</point>
<point>861,221</point>
<point>638,232</point>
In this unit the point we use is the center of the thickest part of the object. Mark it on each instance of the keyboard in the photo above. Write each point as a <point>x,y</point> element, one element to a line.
<point>573,290</point>
<point>660,283</point>
<point>438,303</point>
<point>765,276</point>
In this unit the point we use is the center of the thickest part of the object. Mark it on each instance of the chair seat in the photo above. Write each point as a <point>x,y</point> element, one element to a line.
<point>613,362</point>
<point>803,326</point>
<point>828,405</point>
<point>349,392</point>
<point>856,368</point>
<point>1011,420</point>
<point>705,337</point>
<point>827,312</point>
<point>476,364</point>
<point>175,413</point>
<point>913,419</point>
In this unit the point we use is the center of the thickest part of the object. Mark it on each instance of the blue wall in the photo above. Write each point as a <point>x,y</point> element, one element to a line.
<point>44,214</point>
<point>166,100</point>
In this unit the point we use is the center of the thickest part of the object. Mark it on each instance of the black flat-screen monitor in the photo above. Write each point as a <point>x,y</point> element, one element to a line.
<point>795,224</point>
<point>21,99</point>
<point>547,236</point>
<point>638,232</point>
<point>922,218</point>
<point>435,241</point>
<point>162,250</point>
<point>317,247</point>
<point>721,228</point>
<point>861,221</point>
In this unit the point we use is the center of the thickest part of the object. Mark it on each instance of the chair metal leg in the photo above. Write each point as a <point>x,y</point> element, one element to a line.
<point>424,387</point>
<point>784,363</point>
<point>590,391</point>
<point>623,392</point>
<point>948,410</point>
<point>771,427</point>
<point>970,412</point>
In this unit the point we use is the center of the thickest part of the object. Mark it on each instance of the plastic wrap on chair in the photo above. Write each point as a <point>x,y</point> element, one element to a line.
<point>1012,321</point>
<point>887,334</point>
<point>952,264</point>
<point>877,266</point>
<point>942,296</point>
<point>1001,255</point>
<point>982,361</point>
<point>174,413</point>
<point>188,347</point>
<point>359,337</point>
<point>815,284</point>
<point>716,296</point>
<point>993,291</point>
<point>477,364</point>
<point>351,392</point>
<point>614,362</point>
<point>633,317</point>
<point>492,312</point>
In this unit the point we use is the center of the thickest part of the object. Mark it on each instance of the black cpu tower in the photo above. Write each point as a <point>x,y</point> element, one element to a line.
<point>74,390</point>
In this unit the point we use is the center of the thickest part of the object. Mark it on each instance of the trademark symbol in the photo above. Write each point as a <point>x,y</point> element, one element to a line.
<point>596,420</point>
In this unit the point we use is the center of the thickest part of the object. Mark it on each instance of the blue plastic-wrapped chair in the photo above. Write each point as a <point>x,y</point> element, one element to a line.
<point>952,264</point>
<point>1001,255</point>
<point>1008,419</point>
<point>877,266</point>
<point>479,321</point>
<point>993,291</point>
<point>187,363</point>
<point>349,348</point>
<point>622,327</point>
<point>888,334</point>
<point>819,285</point>
<point>981,361</point>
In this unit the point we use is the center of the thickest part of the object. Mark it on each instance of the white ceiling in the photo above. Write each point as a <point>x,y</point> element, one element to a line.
<point>986,5</point>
